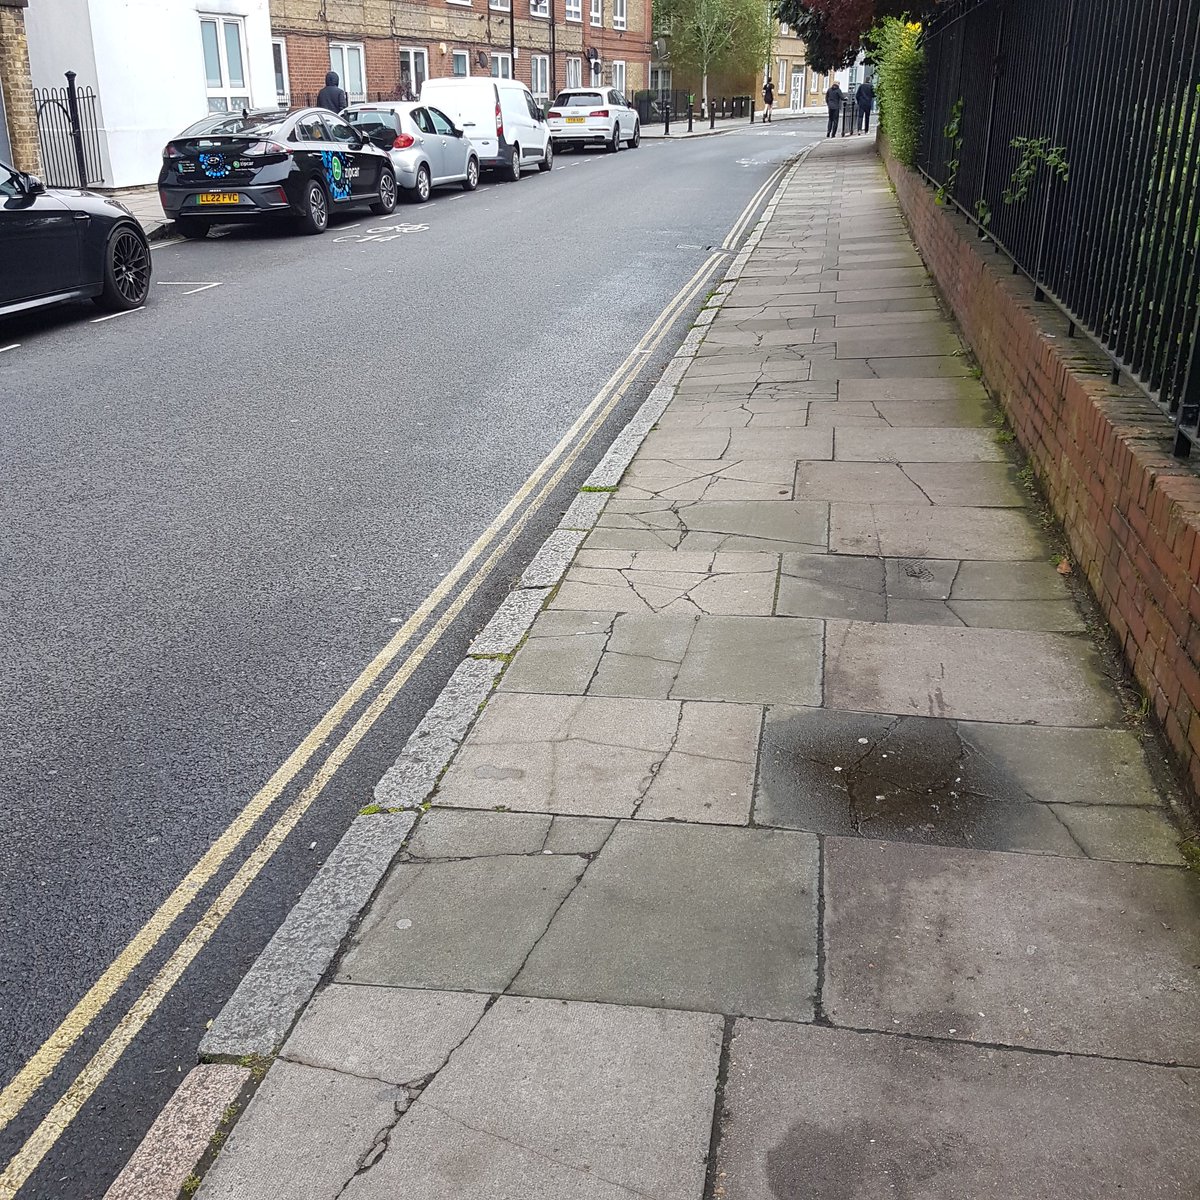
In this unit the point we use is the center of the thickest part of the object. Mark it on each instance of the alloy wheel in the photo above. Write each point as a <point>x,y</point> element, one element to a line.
<point>317,206</point>
<point>423,184</point>
<point>387,191</point>
<point>131,266</point>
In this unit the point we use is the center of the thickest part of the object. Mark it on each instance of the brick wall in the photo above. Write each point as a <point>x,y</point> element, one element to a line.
<point>1102,454</point>
<point>18,87</point>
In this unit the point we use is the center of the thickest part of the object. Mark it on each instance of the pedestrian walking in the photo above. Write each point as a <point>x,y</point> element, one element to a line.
<point>864,98</point>
<point>833,101</point>
<point>331,95</point>
<point>768,100</point>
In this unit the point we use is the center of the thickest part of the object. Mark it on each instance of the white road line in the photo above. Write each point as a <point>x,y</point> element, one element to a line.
<point>97,320</point>
<point>194,284</point>
<point>14,346</point>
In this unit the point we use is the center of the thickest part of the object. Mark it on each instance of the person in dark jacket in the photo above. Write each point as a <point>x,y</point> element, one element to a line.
<point>864,98</point>
<point>768,100</point>
<point>331,96</point>
<point>833,102</point>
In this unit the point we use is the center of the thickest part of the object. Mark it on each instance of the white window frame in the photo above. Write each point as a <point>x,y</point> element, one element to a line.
<point>285,96</point>
<point>460,3</point>
<point>663,77</point>
<point>620,13</point>
<point>465,55</point>
<point>505,61</point>
<point>225,92</point>
<point>574,73</point>
<point>574,11</point>
<point>597,12</point>
<point>344,73</point>
<point>539,9</point>
<point>414,52</point>
<point>618,74</point>
<point>781,67</point>
<point>539,64</point>
<point>500,5</point>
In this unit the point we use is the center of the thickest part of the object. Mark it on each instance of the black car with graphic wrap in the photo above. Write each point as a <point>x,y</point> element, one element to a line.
<point>302,162</point>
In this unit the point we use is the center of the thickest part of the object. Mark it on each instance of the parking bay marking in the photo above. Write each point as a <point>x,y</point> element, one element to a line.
<point>384,233</point>
<point>113,316</point>
<point>50,1054</point>
<point>14,346</point>
<point>195,285</point>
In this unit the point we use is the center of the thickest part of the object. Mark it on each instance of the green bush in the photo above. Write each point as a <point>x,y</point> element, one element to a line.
<point>900,68</point>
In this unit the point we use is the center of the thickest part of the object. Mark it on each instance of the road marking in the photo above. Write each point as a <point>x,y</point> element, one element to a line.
<point>195,285</point>
<point>14,346</point>
<point>59,1118</point>
<point>113,316</point>
<point>742,223</point>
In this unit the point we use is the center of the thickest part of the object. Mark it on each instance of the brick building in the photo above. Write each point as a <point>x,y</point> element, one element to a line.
<point>385,49</point>
<point>18,122</point>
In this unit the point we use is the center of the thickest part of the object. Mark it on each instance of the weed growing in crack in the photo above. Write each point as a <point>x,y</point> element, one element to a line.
<point>588,488</point>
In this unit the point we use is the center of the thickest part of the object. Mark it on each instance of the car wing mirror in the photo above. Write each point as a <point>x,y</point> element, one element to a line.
<point>31,185</point>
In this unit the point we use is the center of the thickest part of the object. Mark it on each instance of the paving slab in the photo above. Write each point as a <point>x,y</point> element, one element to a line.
<point>1015,949</point>
<point>1009,676</point>
<point>458,925</point>
<point>394,1035</point>
<point>884,482</point>
<point>963,413</point>
<point>547,1100</point>
<point>835,1115</point>
<point>832,585</point>
<point>304,1135</point>
<point>1123,834</point>
<point>680,916</point>
<point>927,388</point>
<point>449,833</point>
<point>912,445</point>
<point>935,531</point>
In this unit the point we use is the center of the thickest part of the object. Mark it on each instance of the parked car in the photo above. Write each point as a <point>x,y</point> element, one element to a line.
<point>302,162</point>
<point>60,245</point>
<point>426,148</point>
<point>593,117</point>
<point>501,118</point>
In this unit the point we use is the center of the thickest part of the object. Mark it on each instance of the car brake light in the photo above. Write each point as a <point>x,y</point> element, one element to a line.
<point>499,121</point>
<point>170,150</point>
<point>402,141</point>
<point>599,112</point>
<point>260,148</point>
<point>554,113</point>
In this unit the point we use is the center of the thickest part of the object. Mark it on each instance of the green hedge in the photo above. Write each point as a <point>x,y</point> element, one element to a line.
<point>900,69</point>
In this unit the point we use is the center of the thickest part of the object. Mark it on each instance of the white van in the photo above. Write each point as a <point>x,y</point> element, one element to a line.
<point>501,118</point>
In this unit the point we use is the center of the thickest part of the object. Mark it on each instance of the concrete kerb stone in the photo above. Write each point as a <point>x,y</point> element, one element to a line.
<point>266,1003</point>
<point>264,1006</point>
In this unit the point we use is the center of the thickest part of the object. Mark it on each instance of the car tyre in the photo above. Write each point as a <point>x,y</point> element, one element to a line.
<point>472,180</point>
<point>315,217</point>
<point>126,270</point>
<point>192,228</point>
<point>514,167</point>
<point>386,203</point>
<point>615,144</point>
<point>424,186</point>
<point>636,140</point>
<point>547,162</point>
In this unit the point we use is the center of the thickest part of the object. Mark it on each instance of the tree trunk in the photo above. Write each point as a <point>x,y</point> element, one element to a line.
<point>704,90</point>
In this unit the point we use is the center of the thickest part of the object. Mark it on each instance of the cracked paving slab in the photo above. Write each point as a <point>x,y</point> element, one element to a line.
<point>997,675</point>
<point>1057,954</point>
<point>912,445</point>
<point>609,757</point>
<point>838,1115</point>
<point>936,531</point>
<point>685,916</point>
<point>547,1100</point>
<point>684,480</point>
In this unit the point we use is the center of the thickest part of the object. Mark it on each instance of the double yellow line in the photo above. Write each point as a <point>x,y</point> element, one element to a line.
<point>526,502</point>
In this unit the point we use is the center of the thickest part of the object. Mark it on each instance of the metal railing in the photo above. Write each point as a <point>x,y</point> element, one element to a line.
<point>68,135</point>
<point>1072,139</point>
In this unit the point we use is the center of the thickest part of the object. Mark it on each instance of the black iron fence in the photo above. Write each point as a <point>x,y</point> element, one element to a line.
<point>68,135</point>
<point>1071,138</point>
<point>654,108</point>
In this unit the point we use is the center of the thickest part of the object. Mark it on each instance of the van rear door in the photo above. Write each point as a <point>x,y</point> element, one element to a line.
<point>471,105</point>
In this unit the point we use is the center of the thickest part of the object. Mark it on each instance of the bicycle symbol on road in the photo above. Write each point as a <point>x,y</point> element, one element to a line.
<point>383,233</point>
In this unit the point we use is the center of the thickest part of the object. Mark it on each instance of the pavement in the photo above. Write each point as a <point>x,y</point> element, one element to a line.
<point>249,533</point>
<point>806,845</point>
<point>145,205</point>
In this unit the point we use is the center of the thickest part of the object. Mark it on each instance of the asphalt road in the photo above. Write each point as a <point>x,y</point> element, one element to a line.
<point>217,510</point>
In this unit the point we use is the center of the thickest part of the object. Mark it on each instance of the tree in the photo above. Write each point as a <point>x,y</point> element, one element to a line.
<point>716,35</point>
<point>834,30</point>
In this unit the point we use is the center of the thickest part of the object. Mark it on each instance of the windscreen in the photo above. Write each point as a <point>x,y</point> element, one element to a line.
<point>579,99</point>
<point>234,124</point>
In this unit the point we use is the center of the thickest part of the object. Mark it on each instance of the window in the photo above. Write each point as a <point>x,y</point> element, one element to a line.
<point>441,123</point>
<point>619,10</point>
<point>660,79</point>
<point>461,63</point>
<point>597,12</point>
<point>539,69</point>
<point>500,5</point>
<point>340,131</point>
<point>539,8</point>
<point>597,73</point>
<point>781,75</point>
<point>414,70</point>
<point>501,66</point>
<point>574,72</point>
<point>422,120</point>
<point>222,39</point>
<point>814,84</point>
<point>784,29</point>
<point>618,75</point>
<point>279,53</point>
<point>346,58</point>
<point>309,129</point>
<point>574,10</point>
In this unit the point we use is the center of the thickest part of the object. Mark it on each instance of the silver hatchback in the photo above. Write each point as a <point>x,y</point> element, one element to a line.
<point>426,148</point>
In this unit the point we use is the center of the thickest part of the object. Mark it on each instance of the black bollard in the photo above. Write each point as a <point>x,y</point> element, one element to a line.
<point>666,119</point>
<point>751,112</point>
<point>689,118</point>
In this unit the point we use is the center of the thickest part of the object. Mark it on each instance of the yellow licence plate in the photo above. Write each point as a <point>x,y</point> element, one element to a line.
<point>218,198</point>
<point>575,120</point>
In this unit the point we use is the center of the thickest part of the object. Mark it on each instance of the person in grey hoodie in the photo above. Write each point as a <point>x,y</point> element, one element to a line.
<point>833,102</point>
<point>331,96</point>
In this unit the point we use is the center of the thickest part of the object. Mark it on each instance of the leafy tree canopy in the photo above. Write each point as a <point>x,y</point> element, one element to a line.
<point>834,30</point>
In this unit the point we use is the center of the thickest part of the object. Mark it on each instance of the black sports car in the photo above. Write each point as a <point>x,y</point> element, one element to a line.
<point>67,245</point>
<point>301,161</point>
